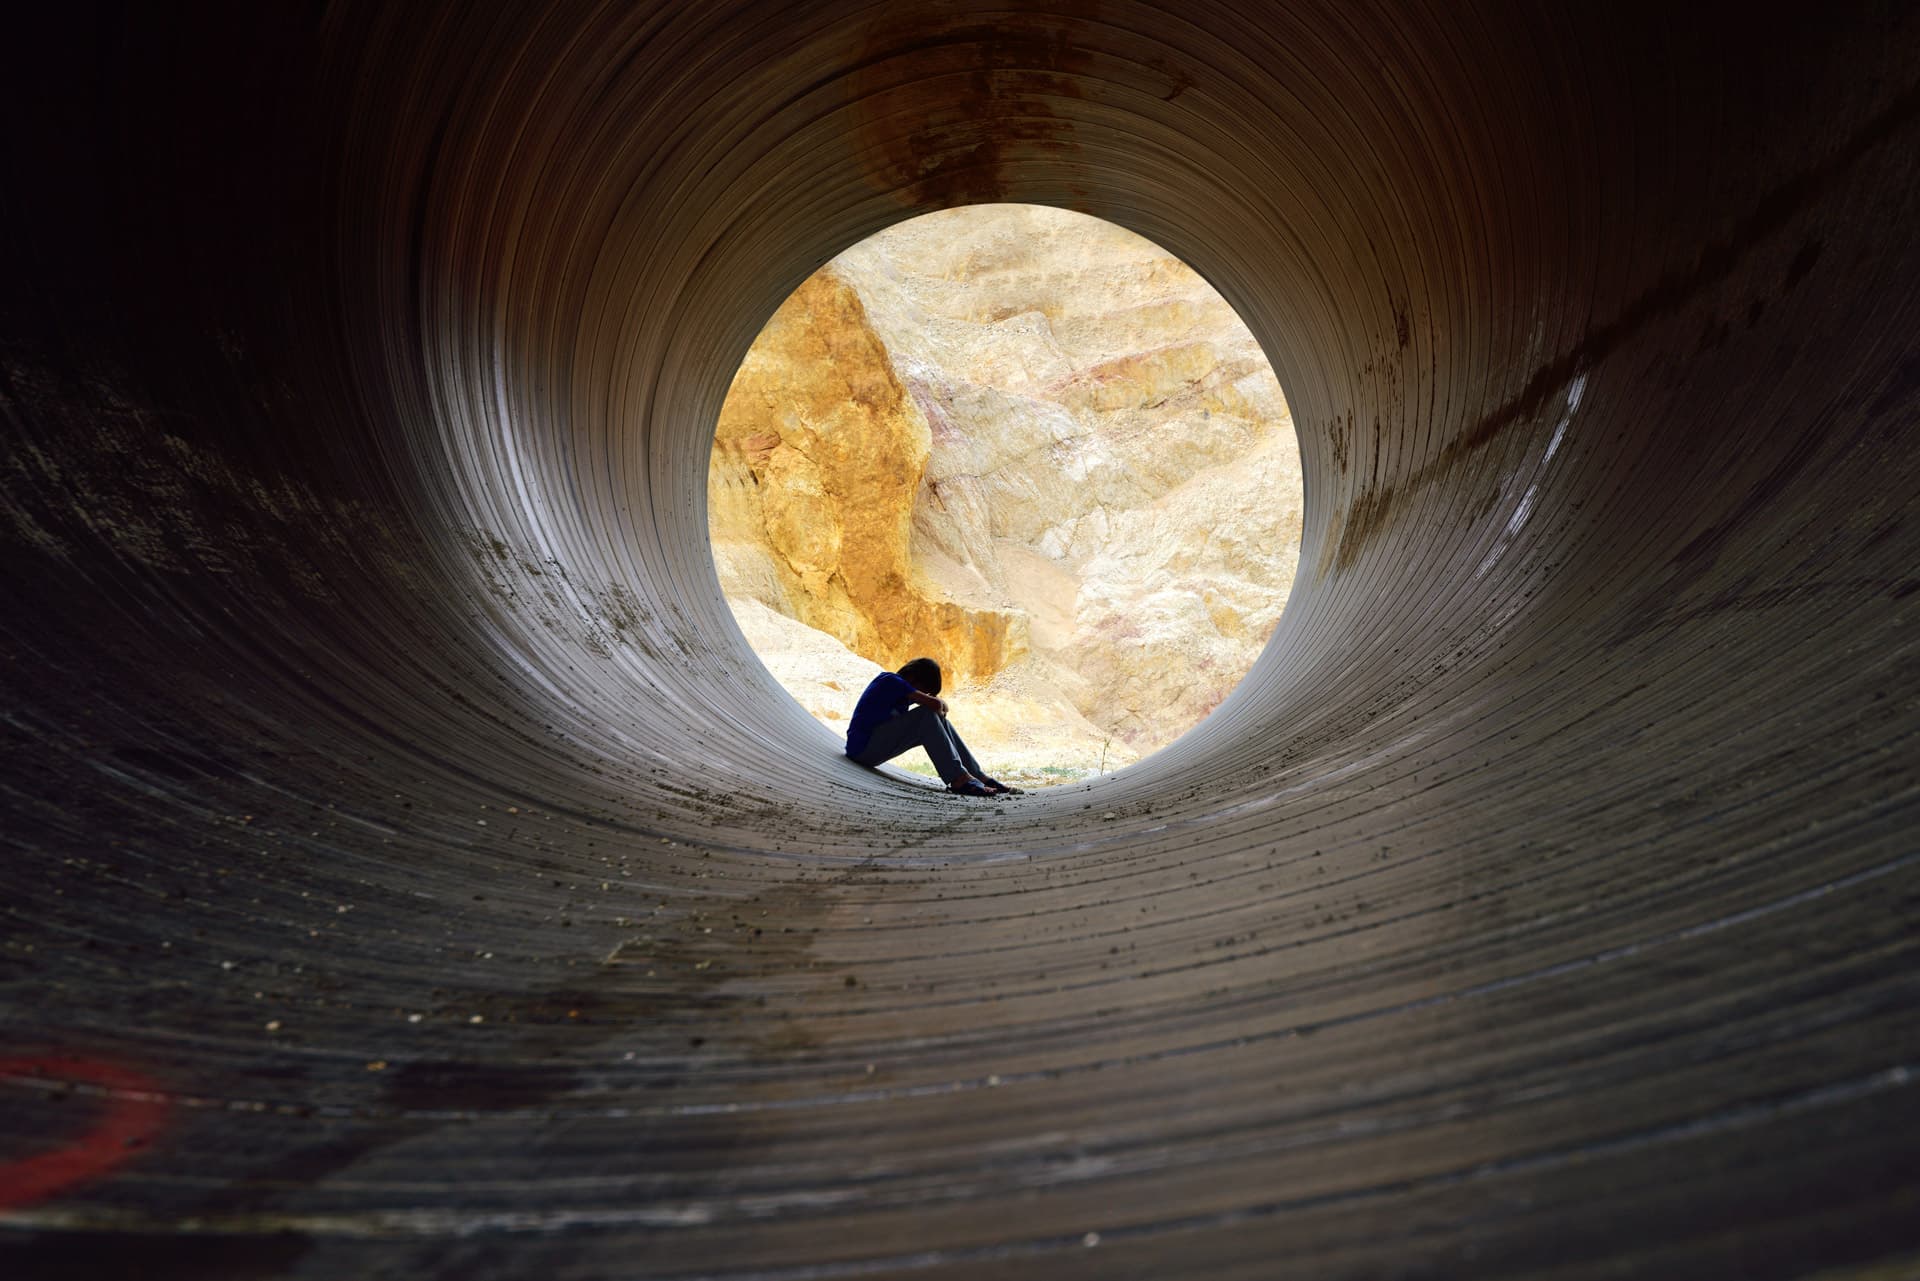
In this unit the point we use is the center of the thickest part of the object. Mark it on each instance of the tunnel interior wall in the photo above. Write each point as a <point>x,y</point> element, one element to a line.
<point>370,699</point>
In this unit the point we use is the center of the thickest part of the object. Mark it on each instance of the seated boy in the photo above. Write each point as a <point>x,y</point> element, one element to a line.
<point>902,710</point>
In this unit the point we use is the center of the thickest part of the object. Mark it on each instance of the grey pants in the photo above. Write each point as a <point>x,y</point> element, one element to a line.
<point>921,727</point>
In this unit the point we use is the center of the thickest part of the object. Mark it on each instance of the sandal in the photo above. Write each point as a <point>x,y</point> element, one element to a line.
<point>1000,787</point>
<point>971,787</point>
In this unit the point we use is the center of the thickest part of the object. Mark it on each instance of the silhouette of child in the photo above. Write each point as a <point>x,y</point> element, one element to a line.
<point>902,710</point>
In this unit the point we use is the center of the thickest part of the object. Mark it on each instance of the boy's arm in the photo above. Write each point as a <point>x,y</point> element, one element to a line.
<point>939,705</point>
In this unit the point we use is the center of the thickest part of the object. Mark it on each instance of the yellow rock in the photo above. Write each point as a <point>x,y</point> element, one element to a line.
<point>818,458</point>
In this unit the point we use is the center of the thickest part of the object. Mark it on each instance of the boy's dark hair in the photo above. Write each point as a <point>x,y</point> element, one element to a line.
<point>923,674</point>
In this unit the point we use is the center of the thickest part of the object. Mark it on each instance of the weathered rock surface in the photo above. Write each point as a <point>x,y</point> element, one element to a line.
<point>817,460</point>
<point>1030,444</point>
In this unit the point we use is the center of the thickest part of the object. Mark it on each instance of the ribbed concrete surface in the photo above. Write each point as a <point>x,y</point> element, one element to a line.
<point>1543,903</point>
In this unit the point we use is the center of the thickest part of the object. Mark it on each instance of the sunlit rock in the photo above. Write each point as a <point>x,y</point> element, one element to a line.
<point>1029,444</point>
<point>817,460</point>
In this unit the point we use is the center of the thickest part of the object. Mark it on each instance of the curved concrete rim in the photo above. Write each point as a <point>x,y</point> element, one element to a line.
<point>410,870</point>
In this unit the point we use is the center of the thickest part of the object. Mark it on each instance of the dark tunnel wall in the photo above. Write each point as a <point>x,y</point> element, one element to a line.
<point>409,870</point>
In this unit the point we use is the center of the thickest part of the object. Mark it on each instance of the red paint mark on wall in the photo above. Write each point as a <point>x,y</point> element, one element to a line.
<point>132,1116</point>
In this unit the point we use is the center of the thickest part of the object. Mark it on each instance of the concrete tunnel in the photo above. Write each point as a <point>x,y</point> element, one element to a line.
<point>409,871</point>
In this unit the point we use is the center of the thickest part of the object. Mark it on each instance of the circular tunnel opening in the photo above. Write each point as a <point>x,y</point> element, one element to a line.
<point>1031,445</point>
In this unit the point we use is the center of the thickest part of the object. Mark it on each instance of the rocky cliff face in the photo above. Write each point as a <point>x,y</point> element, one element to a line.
<point>818,459</point>
<point>1029,444</point>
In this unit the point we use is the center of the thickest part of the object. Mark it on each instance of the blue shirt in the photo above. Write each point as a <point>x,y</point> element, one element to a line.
<point>886,696</point>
